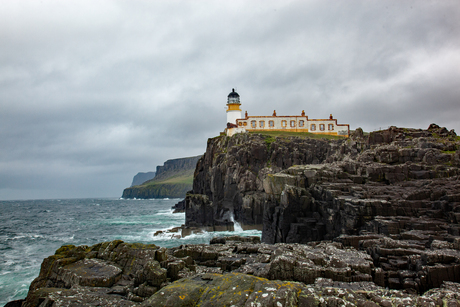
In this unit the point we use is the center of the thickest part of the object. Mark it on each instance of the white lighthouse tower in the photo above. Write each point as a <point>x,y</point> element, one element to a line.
<point>233,107</point>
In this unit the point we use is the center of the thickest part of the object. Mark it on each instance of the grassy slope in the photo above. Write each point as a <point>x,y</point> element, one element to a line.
<point>184,178</point>
<point>298,134</point>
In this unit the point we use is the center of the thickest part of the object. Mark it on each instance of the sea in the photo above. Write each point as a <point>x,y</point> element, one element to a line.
<point>31,230</point>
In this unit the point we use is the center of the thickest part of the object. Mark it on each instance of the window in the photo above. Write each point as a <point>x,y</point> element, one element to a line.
<point>245,124</point>
<point>240,123</point>
<point>292,123</point>
<point>271,123</point>
<point>283,123</point>
<point>301,123</point>
<point>321,127</point>
<point>253,123</point>
<point>313,127</point>
<point>331,127</point>
<point>262,124</point>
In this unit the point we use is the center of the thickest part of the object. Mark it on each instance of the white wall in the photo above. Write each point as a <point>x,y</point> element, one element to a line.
<point>232,116</point>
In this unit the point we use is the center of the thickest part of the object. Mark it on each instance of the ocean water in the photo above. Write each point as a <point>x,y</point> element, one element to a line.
<point>32,230</point>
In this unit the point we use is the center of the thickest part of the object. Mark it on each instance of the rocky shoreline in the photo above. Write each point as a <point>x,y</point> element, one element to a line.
<point>372,220</point>
<point>238,271</point>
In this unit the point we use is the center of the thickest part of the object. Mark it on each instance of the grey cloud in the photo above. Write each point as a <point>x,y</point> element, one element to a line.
<point>92,93</point>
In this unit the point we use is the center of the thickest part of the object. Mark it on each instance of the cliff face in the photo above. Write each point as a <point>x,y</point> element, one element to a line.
<point>172,180</point>
<point>229,179</point>
<point>400,180</point>
<point>394,194</point>
<point>270,183</point>
<point>175,166</point>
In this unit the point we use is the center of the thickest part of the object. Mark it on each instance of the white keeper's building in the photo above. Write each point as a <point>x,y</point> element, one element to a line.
<point>238,124</point>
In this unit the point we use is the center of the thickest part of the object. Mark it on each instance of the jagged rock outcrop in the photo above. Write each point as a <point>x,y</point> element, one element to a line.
<point>288,185</point>
<point>179,207</point>
<point>228,180</point>
<point>172,180</point>
<point>238,271</point>
<point>393,194</point>
<point>270,183</point>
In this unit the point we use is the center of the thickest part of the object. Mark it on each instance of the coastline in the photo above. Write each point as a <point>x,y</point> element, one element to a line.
<point>237,271</point>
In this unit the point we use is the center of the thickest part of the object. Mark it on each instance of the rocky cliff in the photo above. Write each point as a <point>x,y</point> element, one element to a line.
<point>172,180</point>
<point>393,193</point>
<point>330,187</point>
<point>229,178</point>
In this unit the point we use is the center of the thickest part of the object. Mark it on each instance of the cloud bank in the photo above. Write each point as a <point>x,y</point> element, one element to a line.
<point>93,92</point>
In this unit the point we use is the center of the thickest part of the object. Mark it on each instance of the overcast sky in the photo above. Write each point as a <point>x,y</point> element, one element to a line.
<point>92,92</point>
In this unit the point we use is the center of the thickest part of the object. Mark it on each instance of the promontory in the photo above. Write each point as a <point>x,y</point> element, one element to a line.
<point>369,220</point>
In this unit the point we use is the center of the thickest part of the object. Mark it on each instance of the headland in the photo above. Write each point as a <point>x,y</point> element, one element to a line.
<point>369,220</point>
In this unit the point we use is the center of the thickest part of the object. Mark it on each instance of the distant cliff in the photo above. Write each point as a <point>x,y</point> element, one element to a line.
<point>140,178</point>
<point>172,180</point>
<point>176,167</point>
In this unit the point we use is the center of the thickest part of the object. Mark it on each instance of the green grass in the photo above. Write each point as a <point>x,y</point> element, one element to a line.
<point>180,179</point>
<point>269,141</point>
<point>274,134</point>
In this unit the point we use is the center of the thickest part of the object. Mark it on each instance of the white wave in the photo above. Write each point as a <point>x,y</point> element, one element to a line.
<point>200,236</point>
<point>166,235</point>
<point>167,212</point>
<point>236,226</point>
<point>26,235</point>
<point>63,239</point>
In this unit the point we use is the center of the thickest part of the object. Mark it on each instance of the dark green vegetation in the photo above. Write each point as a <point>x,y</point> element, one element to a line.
<point>270,136</point>
<point>304,135</point>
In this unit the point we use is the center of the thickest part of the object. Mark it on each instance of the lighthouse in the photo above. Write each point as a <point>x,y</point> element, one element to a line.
<point>233,107</point>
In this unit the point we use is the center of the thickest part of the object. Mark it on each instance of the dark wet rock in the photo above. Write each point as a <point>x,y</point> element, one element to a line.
<point>89,272</point>
<point>301,190</point>
<point>16,303</point>
<point>152,274</point>
<point>180,206</point>
<point>244,272</point>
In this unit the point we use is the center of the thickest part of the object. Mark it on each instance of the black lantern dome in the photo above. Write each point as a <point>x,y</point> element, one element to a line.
<point>233,94</point>
<point>233,97</point>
